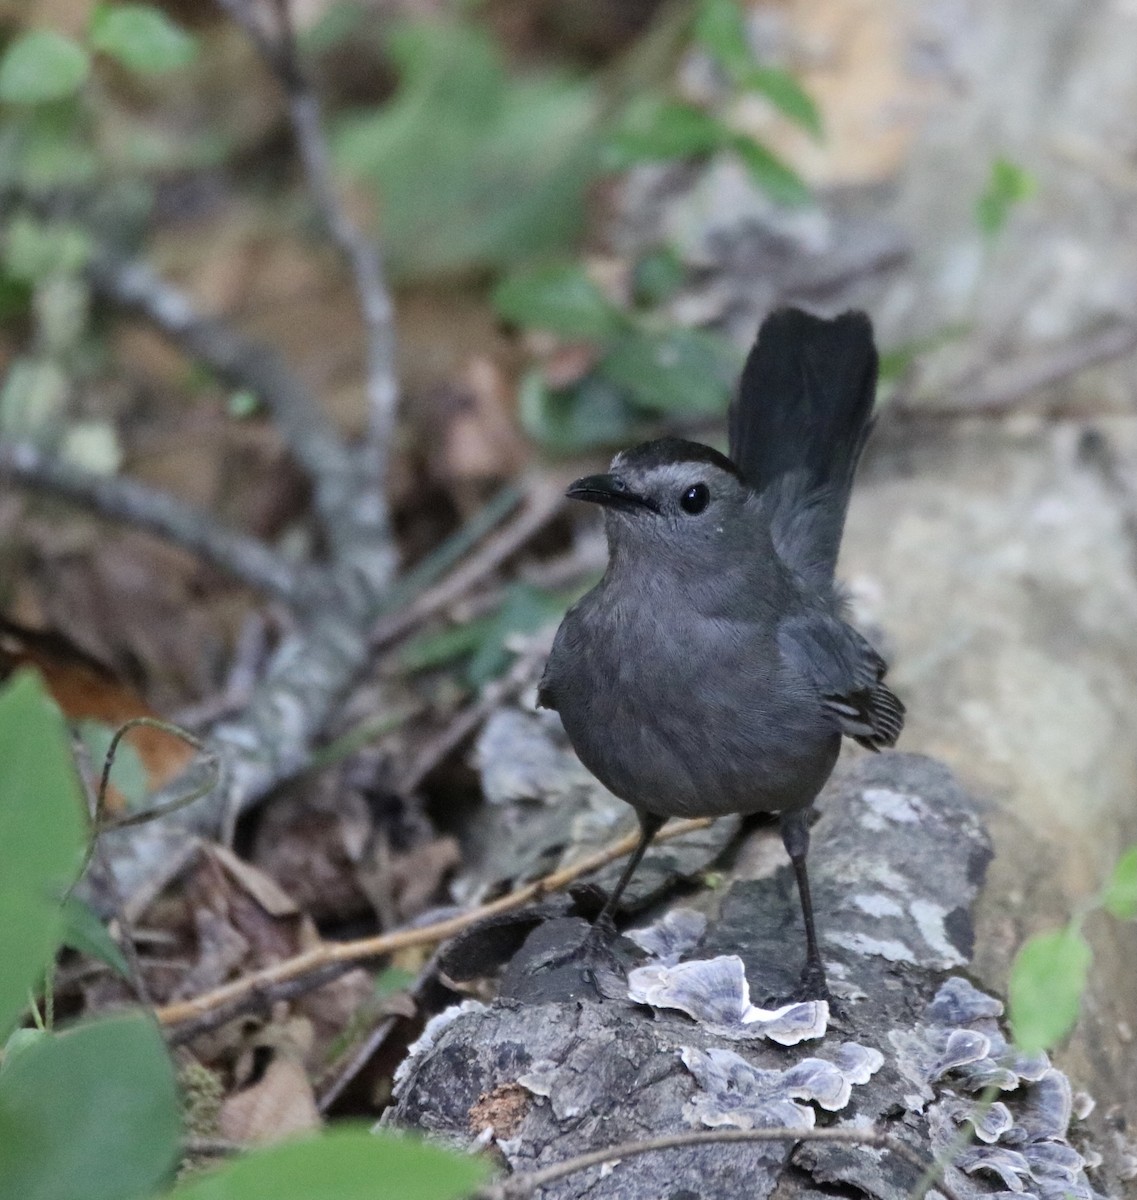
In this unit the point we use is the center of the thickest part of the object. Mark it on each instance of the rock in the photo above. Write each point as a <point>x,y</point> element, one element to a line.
<point>899,856</point>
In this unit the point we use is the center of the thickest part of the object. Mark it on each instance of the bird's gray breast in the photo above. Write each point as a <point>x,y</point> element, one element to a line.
<point>684,714</point>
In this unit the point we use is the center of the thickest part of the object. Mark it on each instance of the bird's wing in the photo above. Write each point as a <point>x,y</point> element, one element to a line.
<point>848,674</point>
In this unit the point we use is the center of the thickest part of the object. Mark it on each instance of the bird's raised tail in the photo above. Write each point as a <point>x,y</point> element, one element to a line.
<point>798,425</point>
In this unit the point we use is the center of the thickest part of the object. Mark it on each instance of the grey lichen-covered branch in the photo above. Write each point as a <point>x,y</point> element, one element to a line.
<point>360,252</point>
<point>243,557</point>
<point>351,507</point>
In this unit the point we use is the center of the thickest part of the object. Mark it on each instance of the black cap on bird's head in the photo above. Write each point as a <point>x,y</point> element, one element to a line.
<point>666,477</point>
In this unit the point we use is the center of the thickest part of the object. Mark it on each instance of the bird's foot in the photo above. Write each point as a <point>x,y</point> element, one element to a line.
<point>813,986</point>
<point>593,956</point>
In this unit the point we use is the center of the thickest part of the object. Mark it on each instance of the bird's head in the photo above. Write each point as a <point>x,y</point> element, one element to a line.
<point>668,493</point>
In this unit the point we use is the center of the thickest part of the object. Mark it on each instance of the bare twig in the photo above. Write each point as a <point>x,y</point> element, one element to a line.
<point>209,760</point>
<point>1001,387</point>
<point>260,1000</point>
<point>239,555</point>
<point>520,1186</point>
<point>542,504</point>
<point>359,251</point>
<point>348,954</point>
<point>96,800</point>
<point>466,720</point>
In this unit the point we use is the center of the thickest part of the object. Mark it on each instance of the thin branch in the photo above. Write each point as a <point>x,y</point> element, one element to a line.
<point>209,760</point>
<point>1005,384</point>
<point>466,720</point>
<point>239,555</point>
<point>96,857</point>
<point>360,252</point>
<point>542,504</point>
<point>520,1186</point>
<point>351,509</point>
<point>441,559</point>
<point>347,954</point>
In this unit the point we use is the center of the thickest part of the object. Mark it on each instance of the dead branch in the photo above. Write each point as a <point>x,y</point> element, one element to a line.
<point>542,503</point>
<point>1004,385</point>
<point>249,991</point>
<point>351,511</point>
<point>239,555</point>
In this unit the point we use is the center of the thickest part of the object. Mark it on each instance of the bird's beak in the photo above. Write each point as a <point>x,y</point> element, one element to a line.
<point>610,491</point>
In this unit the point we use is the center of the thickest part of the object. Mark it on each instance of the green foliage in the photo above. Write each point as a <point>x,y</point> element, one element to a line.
<point>1120,894</point>
<point>655,128</point>
<point>83,931</point>
<point>472,167</point>
<point>561,299</point>
<point>720,29</point>
<point>656,277</point>
<point>35,249</point>
<point>1007,186</point>
<point>1045,991</point>
<point>482,643</point>
<point>1049,973</point>
<point>642,368</point>
<point>770,173</point>
<point>42,65</point>
<point>343,1165</point>
<point>594,412</point>
<point>90,1114</point>
<point>141,38</point>
<point>672,371</point>
<point>42,830</point>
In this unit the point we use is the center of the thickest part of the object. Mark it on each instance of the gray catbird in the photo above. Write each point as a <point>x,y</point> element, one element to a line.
<point>711,670</point>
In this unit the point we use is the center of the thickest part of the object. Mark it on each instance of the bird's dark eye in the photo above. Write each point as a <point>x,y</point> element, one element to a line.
<point>695,498</point>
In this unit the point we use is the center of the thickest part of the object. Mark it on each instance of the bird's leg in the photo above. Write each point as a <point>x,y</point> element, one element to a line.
<point>795,838</point>
<point>604,927</point>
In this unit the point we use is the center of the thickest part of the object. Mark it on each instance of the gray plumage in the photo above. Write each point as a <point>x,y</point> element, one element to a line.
<point>711,670</point>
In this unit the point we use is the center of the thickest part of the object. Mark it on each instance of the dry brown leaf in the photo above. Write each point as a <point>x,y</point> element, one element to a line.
<point>281,1103</point>
<point>85,689</point>
<point>262,887</point>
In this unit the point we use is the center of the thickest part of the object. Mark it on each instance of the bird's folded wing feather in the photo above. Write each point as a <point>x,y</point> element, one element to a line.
<point>848,675</point>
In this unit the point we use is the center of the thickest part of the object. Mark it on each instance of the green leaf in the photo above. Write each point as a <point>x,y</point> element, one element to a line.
<point>42,65</point>
<point>18,1041</point>
<point>35,249</point>
<point>472,167</point>
<point>1120,896</point>
<point>525,610</point>
<point>654,129</point>
<point>32,398</point>
<point>430,650</point>
<point>343,1165</point>
<point>83,931</point>
<point>393,979</point>
<point>657,276</point>
<point>128,773</point>
<point>561,299</point>
<point>90,1114</point>
<point>786,95</point>
<point>675,371</point>
<point>1047,980</point>
<point>142,38</point>
<point>1007,186</point>
<point>42,832</point>
<point>721,30</point>
<point>594,412</point>
<point>779,181</point>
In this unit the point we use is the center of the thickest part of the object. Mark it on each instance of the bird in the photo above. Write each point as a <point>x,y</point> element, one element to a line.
<point>713,669</point>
